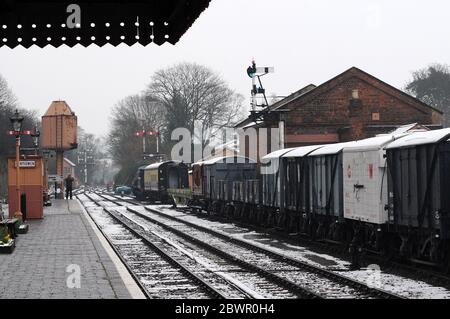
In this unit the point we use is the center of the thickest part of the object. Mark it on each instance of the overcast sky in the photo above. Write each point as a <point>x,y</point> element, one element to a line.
<point>307,41</point>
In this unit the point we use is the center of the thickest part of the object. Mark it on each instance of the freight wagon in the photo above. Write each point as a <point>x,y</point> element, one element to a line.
<point>270,188</point>
<point>218,181</point>
<point>325,191</point>
<point>365,184</point>
<point>388,194</point>
<point>138,187</point>
<point>419,195</point>
<point>152,182</point>
<point>296,213</point>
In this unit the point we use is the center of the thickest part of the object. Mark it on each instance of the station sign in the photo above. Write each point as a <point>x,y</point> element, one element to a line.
<point>27,164</point>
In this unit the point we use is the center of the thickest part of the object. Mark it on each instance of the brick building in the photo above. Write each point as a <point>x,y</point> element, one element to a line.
<point>353,105</point>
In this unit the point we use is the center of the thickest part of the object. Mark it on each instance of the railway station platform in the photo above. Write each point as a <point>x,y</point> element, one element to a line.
<point>64,256</point>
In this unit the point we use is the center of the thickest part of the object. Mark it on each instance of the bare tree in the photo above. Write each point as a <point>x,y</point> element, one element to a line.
<point>7,98</point>
<point>8,104</point>
<point>196,98</point>
<point>132,114</point>
<point>186,95</point>
<point>92,150</point>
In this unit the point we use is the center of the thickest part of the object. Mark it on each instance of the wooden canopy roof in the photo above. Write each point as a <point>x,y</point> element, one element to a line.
<point>51,22</point>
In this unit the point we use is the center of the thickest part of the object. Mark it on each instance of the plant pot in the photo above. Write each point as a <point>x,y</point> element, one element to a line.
<point>23,229</point>
<point>7,248</point>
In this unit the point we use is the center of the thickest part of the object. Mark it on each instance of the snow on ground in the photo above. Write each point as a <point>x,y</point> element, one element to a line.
<point>400,285</point>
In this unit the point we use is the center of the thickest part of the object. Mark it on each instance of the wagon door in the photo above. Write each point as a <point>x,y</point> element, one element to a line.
<point>197,180</point>
<point>303,175</point>
<point>364,187</point>
<point>173,178</point>
<point>444,189</point>
<point>290,184</point>
<point>314,189</point>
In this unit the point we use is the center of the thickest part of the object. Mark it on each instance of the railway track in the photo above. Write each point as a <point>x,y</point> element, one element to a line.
<point>318,282</point>
<point>394,266</point>
<point>158,274</point>
<point>253,284</point>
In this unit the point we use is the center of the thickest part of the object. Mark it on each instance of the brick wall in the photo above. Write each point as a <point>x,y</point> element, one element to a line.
<point>331,111</point>
<point>353,105</point>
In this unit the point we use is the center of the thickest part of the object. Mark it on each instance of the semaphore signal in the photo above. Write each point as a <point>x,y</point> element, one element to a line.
<point>255,73</point>
<point>143,134</point>
<point>14,133</point>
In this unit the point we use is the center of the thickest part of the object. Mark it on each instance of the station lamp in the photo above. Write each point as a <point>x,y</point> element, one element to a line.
<point>16,121</point>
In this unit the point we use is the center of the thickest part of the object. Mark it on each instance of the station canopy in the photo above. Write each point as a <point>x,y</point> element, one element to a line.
<point>57,22</point>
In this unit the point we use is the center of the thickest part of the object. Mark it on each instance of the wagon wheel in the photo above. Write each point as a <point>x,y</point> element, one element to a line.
<point>173,201</point>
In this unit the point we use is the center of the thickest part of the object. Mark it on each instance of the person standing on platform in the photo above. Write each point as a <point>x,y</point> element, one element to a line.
<point>68,182</point>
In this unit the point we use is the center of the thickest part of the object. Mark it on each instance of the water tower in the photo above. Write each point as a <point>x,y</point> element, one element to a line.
<point>59,134</point>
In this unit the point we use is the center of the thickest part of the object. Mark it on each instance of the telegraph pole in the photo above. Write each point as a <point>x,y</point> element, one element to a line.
<point>86,158</point>
<point>143,137</point>
<point>157,143</point>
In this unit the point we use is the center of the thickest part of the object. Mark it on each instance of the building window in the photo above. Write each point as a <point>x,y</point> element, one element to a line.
<point>355,101</point>
<point>375,116</point>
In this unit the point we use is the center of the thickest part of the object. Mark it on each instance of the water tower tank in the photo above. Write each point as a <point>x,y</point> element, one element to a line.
<point>59,127</point>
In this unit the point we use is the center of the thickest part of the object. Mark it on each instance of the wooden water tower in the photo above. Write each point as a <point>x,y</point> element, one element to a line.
<point>59,133</point>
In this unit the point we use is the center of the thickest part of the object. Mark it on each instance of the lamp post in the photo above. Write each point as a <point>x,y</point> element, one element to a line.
<point>16,121</point>
<point>46,154</point>
<point>35,135</point>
